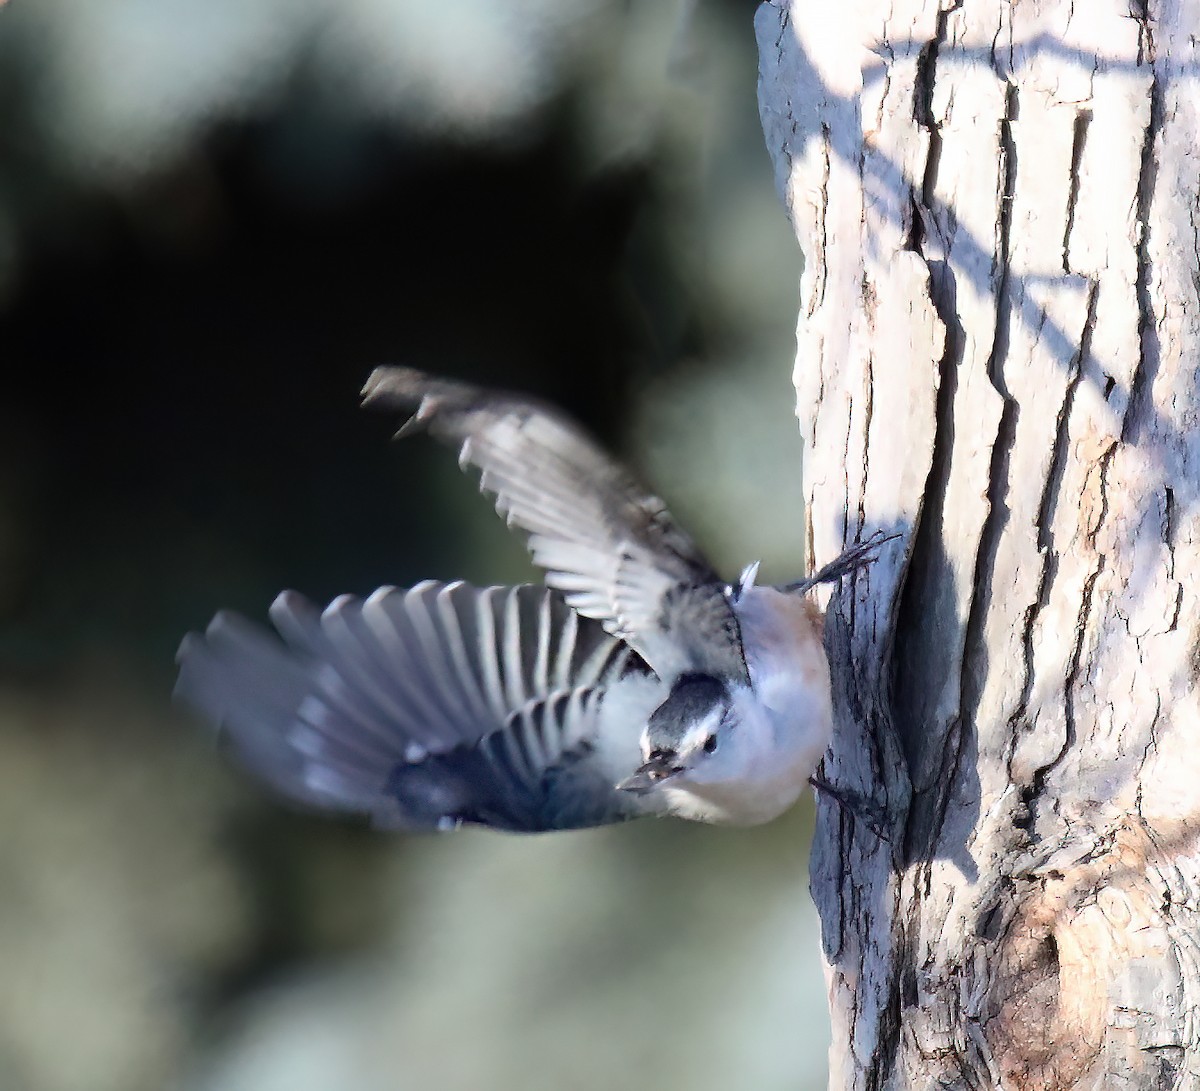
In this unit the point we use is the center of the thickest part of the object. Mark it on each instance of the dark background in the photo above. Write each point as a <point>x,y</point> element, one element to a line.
<point>213,223</point>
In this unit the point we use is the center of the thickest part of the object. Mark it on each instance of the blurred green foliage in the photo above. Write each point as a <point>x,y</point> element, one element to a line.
<point>214,220</point>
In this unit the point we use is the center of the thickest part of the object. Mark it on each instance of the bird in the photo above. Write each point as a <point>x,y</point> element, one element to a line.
<point>634,683</point>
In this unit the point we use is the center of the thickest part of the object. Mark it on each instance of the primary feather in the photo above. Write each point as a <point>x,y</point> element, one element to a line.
<point>611,547</point>
<point>429,707</point>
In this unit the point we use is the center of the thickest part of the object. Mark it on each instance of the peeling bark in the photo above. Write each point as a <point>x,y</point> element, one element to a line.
<point>998,356</point>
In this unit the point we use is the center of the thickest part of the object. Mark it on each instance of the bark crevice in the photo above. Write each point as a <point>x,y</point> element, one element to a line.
<point>974,660</point>
<point>1048,548</point>
<point>1083,118</point>
<point>1147,329</point>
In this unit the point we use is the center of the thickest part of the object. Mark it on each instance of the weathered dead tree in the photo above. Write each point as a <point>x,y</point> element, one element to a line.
<point>998,356</point>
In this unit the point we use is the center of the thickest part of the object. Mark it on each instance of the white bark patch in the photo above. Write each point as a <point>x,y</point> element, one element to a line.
<point>998,355</point>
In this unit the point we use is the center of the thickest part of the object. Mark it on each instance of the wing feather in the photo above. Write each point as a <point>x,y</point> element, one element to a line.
<point>422,708</point>
<point>611,547</point>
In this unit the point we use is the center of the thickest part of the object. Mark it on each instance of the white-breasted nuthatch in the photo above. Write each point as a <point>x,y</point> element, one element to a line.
<point>636,683</point>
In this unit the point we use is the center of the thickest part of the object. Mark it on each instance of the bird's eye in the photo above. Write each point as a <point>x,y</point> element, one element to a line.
<point>710,744</point>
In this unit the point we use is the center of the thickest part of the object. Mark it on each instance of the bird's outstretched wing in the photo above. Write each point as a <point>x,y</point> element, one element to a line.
<point>610,547</point>
<point>424,708</point>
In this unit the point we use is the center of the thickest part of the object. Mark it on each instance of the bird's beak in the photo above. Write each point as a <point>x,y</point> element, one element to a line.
<point>651,774</point>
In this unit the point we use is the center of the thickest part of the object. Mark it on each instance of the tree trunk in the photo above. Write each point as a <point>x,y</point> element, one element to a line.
<point>998,357</point>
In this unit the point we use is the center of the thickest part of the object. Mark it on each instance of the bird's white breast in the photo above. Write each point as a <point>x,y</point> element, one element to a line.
<point>783,721</point>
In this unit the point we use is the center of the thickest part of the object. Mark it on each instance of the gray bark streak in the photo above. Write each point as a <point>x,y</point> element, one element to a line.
<point>999,208</point>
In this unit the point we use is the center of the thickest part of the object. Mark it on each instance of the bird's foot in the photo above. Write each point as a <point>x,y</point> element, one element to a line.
<point>867,811</point>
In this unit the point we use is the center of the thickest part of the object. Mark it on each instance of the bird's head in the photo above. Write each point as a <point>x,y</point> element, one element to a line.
<point>690,737</point>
